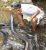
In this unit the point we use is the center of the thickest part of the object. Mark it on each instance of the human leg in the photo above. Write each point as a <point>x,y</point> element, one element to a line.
<point>34,23</point>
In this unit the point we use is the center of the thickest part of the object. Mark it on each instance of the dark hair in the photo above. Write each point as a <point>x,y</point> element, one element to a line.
<point>16,5</point>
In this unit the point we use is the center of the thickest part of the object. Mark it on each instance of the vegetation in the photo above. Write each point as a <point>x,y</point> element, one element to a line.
<point>4,13</point>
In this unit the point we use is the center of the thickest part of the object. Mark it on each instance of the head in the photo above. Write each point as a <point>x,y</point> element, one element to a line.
<point>16,5</point>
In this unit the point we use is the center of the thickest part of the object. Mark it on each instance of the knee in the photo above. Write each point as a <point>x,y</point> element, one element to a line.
<point>34,20</point>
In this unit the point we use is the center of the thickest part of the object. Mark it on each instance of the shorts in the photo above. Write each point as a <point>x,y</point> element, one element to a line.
<point>39,16</point>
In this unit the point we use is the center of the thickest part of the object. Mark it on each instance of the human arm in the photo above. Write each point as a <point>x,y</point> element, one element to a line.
<point>35,14</point>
